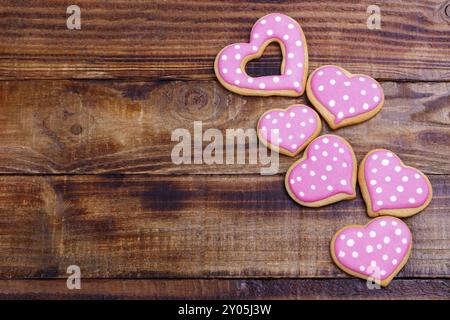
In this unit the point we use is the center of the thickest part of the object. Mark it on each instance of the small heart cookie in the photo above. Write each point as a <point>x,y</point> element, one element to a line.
<point>342,98</point>
<point>276,27</point>
<point>325,174</point>
<point>391,188</point>
<point>377,251</point>
<point>289,131</point>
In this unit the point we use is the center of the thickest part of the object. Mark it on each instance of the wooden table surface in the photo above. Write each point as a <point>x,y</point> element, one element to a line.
<point>86,176</point>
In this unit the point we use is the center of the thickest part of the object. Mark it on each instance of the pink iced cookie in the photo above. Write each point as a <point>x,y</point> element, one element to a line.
<point>325,174</point>
<point>377,251</point>
<point>342,98</point>
<point>391,188</point>
<point>231,61</point>
<point>288,131</point>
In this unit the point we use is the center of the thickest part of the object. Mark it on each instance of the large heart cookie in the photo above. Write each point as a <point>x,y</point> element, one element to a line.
<point>289,131</point>
<point>377,251</point>
<point>342,98</point>
<point>391,188</point>
<point>325,174</point>
<point>276,27</point>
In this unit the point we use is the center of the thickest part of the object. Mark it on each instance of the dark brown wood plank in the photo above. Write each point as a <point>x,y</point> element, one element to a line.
<point>189,226</point>
<point>126,127</point>
<point>304,289</point>
<point>179,39</point>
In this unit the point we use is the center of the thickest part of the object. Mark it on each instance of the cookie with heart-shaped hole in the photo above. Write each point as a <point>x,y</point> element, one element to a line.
<point>230,63</point>
<point>343,98</point>
<point>376,251</point>
<point>391,188</point>
<point>289,131</point>
<point>325,174</point>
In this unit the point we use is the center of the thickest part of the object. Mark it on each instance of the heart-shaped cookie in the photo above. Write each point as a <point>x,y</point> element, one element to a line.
<point>391,188</point>
<point>342,98</point>
<point>289,131</point>
<point>276,27</point>
<point>325,174</point>
<point>377,251</point>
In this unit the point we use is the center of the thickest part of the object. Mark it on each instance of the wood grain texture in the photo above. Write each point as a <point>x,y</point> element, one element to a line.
<point>126,127</point>
<point>189,226</point>
<point>179,39</point>
<point>86,176</point>
<point>304,289</point>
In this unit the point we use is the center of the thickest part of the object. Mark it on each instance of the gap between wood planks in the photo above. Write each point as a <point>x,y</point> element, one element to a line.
<point>212,78</point>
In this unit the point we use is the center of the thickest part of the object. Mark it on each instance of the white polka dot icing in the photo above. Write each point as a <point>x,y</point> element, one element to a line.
<point>366,257</point>
<point>296,126</point>
<point>323,180</point>
<point>231,60</point>
<point>343,98</point>
<point>398,187</point>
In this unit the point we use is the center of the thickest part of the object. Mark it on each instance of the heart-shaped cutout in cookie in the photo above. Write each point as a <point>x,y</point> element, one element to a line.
<point>325,174</point>
<point>231,61</point>
<point>377,251</point>
<point>391,188</point>
<point>342,98</point>
<point>289,131</point>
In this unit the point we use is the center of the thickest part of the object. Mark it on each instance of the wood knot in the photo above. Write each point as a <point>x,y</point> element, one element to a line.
<point>205,101</point>
<point>196,102</point>
<point>76,129</point>
<point>445,11</point>
<point>196,98</point>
